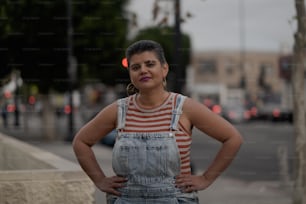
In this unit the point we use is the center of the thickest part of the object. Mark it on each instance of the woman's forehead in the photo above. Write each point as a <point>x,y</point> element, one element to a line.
<point>143,56</point>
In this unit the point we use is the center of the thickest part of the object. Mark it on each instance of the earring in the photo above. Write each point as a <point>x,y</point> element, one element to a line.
<point>165,82</point>
<point>131,89</point>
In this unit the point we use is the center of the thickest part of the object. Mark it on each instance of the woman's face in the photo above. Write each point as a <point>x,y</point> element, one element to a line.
<point>146,71</point>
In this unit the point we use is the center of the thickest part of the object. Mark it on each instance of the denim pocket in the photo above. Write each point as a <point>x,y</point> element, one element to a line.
<point>111,199</point>
<point>188,198</point>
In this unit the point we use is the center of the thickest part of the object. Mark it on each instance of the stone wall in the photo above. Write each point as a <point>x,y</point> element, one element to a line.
<point>29,175</point>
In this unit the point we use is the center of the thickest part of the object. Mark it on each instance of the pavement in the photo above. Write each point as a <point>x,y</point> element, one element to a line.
<point>225,190</point>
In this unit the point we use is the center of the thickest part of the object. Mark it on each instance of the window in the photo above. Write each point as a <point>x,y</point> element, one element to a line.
<point>267,68</point>
<point>229,67</point>
<point>208,66</point>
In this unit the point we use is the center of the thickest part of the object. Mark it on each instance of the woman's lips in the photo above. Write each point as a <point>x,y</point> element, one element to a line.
<point>144,79</point>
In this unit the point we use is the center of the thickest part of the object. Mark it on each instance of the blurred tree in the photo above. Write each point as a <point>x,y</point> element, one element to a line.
<point>34,34</point>
<point>165,36</point>
<point>100,36</point>
<point>34,40</point>
<point>299,120</point>
<point>33,37</point>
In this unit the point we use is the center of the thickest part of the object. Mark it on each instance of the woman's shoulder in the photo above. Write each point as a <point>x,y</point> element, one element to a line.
<point>191,104</point>
<point>124,100</point>
<point>178,94</point>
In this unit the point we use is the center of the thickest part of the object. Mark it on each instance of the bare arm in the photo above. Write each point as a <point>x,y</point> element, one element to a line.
<point>89,135</point>
<point>218,128</point>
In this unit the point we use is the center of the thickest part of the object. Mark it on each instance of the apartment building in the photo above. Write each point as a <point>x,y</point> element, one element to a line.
<point>232,76</point>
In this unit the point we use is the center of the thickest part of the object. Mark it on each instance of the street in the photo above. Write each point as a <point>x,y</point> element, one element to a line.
<point>255,175</point>
<point>258,158</point>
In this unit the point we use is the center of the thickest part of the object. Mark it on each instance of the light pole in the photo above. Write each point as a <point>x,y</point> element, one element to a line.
<point>178,72</point>
<point>176,76</point>
<point>242,42</point>
<point>71,71</point>
<point>16,78</point>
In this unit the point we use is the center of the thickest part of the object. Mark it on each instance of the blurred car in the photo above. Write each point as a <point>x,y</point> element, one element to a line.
<point>236,113</point>
<point>214,107</point>
<point>274,112</point>
<point>109,139</point>
<point>252,109</point>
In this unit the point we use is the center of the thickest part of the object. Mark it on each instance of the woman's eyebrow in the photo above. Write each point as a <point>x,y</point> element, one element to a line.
<point>135,65</point>
<point>150,61</point>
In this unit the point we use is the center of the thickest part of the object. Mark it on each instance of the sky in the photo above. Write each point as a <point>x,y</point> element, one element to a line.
<point>268,25</point>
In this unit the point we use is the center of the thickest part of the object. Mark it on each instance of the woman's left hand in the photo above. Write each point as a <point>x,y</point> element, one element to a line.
<point>189,183</point>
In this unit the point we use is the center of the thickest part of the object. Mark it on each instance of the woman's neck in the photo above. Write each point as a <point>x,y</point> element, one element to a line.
<point>152,99</point>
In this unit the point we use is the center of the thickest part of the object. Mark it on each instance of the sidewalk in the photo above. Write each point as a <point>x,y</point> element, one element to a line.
<point>223,191</point>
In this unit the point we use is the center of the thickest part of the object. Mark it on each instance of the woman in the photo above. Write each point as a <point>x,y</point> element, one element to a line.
<point>151,156</point>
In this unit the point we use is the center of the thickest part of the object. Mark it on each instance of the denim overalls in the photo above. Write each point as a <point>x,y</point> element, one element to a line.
<point>150,162</point>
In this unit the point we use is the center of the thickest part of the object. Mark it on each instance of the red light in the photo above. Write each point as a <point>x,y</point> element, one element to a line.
<point>7,94</point>
<point>11,108</point>
<point>67,109</point>
<point>124,62</point>
<point>253,111</point>
<point>32,100</point>
<point>276,113</point>
<point>217,109</point>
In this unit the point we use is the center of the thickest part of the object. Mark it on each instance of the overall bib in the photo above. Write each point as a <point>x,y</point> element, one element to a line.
<point>150,162</point>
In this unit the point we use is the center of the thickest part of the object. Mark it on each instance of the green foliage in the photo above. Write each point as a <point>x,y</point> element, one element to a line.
<point>33,37</point>
<point>99,40</point>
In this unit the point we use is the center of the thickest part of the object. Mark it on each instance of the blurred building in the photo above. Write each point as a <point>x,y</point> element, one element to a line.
<point>229,76</point>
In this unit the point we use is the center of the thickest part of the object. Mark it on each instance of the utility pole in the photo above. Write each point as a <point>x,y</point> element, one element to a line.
<point>71,71</point>
<point>178,72</point>
<point>242,42</point>
<point>298,74</point>
<point>16,78</point>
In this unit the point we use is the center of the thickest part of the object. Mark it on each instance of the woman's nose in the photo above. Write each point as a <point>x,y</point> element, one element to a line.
<point>143,69</point>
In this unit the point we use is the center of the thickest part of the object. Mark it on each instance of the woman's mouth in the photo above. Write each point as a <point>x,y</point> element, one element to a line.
<point>144,79</point>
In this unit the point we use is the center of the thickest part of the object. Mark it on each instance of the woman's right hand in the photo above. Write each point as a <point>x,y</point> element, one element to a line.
<point>111,184</point>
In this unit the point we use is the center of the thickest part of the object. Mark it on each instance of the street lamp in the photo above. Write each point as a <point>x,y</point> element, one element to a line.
<point>72,66</point>
<point>17,81</point>
<point>177,43</point>
<point>242,42</point>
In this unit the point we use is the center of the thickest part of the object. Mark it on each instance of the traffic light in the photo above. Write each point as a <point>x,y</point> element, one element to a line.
<point>124,62</point>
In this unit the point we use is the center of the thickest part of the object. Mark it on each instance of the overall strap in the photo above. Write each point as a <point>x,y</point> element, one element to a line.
<point>177,111</point>
<point>122,108</point>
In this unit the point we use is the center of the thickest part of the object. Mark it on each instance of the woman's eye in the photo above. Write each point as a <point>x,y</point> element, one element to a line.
<point>150,64</point>
<point>134,68</point>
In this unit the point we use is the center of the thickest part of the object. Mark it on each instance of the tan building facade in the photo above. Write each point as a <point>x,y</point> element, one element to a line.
<point>225,74</point>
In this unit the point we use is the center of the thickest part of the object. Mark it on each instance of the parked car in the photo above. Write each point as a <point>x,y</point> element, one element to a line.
<point>109,139</point>
<point>214,107</point>
<point>274,112</point>
<point>236,113</point>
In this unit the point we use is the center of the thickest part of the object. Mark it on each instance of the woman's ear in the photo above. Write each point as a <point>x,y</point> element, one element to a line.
<point>165,67</point>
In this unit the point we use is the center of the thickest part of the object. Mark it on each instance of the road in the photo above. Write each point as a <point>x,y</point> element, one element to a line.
<point>252,178</point>
<point>258,158</point>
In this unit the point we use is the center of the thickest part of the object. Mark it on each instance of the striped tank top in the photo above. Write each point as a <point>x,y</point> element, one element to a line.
<point>158,120</point>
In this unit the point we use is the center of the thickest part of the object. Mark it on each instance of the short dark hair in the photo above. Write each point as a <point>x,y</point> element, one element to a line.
<point>146,45</point>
